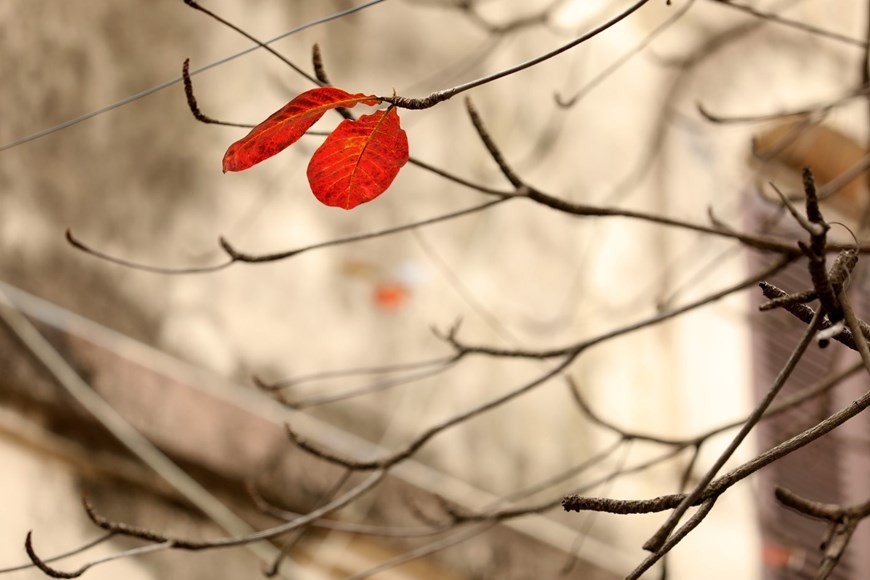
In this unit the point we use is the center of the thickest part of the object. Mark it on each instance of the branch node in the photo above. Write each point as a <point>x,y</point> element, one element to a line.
<point>229,249</point>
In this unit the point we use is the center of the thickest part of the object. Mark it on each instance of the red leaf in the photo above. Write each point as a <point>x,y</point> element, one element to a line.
<point>359,160</point>
<point>287,125</point>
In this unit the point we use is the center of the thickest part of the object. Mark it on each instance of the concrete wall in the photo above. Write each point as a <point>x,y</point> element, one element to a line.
<point>144,182</point>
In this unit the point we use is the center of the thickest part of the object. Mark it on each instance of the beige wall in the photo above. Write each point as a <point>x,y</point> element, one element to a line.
<point>144,181</point>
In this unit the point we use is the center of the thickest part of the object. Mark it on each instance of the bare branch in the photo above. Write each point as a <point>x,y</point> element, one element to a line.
<point>83,548</point>
<point>657,541</point>
<point>622,60</point>
<point>443,95</point>
<point>802,26</point>
<point>843,523</point>
<point>491,147</point>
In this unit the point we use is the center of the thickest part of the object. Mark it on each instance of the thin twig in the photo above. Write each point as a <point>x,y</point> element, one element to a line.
<point>491,147</point>
<point>443,95</point>
<point>237,256</point>
<point>657,541</point>
<point>164,85</point>
<point>83,548</point>
<point>617,64</point>
<point>120,428</point>
<point>843,523</point>
<point>723,483</point>
<point>352,372</point>
<point>796,24</point>
<point>629,328</point>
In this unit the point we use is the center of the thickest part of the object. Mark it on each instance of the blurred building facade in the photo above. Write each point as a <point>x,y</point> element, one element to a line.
<point>143,181</point>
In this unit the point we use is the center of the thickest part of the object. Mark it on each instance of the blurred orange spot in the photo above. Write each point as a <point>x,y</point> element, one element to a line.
<point>390,295</point>
<point>776,556</point>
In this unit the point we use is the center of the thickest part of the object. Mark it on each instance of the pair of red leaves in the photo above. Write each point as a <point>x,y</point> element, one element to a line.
<point>356,163</point>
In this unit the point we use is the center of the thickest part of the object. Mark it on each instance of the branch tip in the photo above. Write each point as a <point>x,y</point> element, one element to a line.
<point>45,568</point>
<point>71,239</point>
<point>317,64</point>
<point>228,248</point>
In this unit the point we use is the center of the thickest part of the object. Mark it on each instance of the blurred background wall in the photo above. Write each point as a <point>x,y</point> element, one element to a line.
<point>143,181</point>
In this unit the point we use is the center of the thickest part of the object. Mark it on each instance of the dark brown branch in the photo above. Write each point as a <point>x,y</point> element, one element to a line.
<point>673,540</point>
<point>342,526</point>
<point>55,573</point>
<point>766,243</point>
<point>573,503</point>
<point>723,483</point>
<point>800,440</point>
<point>627,329</point>
<point>200,116</point>
<point>810,227</point>
<point>411,448</point>
<point>132,531</point>
<point>238,256</point>
<point>796,24</point>
<point>843,523</point>
<point>162,542</point>
<point>657,541</point>
<point>320,73</point>
<point>330,457</point>
<point>616,65</point>
<point>514,512</point>
<point>296,535</point>
<point>83,548</point>
<point>79,245</point>
<point>415,445</point>
<point>459,180</point>
<point>819,510</point>
<point>816,251</point>
<point>842,269</point>
<point>194,106</point>
<point>818,108</point>
<point>619,506</point>
<point>855,327</point>
<point>443,95</point>
<point>43,566</point>
<point>623,433</point>
<point>812,391</point>
<point>492,148</point>
<point>804,313</point>
<point>317,64</point>
<point>196,6</point>
<point>803,297</point>
<point>837,276</point>
<point>547,505</point>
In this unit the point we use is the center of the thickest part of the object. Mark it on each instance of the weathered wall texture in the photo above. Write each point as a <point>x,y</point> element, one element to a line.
<point>144,182</point>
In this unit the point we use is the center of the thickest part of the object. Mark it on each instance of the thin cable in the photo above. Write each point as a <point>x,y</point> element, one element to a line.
<point>169,83</point>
